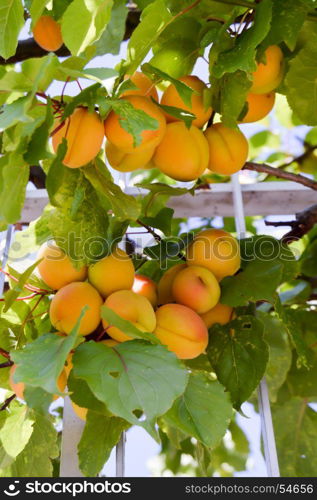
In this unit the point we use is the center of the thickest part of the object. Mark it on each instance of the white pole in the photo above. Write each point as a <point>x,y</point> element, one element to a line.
<point>8,240</point>
<point>270,452</point>
<point>72,431</point>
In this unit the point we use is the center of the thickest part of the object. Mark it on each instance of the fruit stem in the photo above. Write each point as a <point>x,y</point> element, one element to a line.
<point>7,402</point>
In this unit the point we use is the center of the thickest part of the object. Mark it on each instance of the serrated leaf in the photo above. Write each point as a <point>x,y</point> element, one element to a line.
<point>126,326</point>
<point>11,22</point>
<point>288,17</point>
<point>239,355</point>
<point>15,112</point>
<point>50,352</point>
<point>17,430</point>
<point>203,411</point>
<point>132,378</point>
<point>110,40</point>
<point>99,436</point>
<point>153,20</point>
<point>233,94</point>
<point>296,442</point>
<point>83,23</point>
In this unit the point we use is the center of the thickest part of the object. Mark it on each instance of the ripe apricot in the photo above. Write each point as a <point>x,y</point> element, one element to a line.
<point>216,250</point>
<point>127,162</point>
<point>122,139</point>
<point>165,285</point>
<point>84,134</point>
<point>132,307</point>
<point>221,314</point>
<point>79,411</point>
<point>268,74</point>
<point>181,330</point>
<point>56,269</point>
<point>143,285</point>
<point>47,34</point>
<point>197,288</point>
<point>68,303</point>
<point>145,86</point>
<point>228,149</point>
<point>259,105</point>
<point>183,153</point>
<point>112,273</point>
<point>172,98</point>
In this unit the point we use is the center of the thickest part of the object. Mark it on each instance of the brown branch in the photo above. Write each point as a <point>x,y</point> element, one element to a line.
<point>156,236</point>
<point>281,174</point>
<point>6,364</point>
<point>303,223</point>
<point>4,353</point>
<point>7,402</point>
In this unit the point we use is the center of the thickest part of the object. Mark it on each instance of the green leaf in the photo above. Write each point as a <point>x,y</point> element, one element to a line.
<point>50,352</point>
<point>239,355</point>
<point>110,40</point>
<point>37,7</point>
<point>124,206</point>
<point>204,401</point>
<point>242,55</point>
<point>302,381</point>
<point>42,446</point>
<point>308,260</point>
<point>154,18</point>
<point>40,72</point>
<point>37,147</point>
<point>301,84</point>
<point>84,22</point>
<point>266,263</point>
<point>11,22</point>
<point>163,220</point>
<point>126,326</point>
<point>234,90</point>
<point>280,353</point>
<point>14,176</point>
<point>159,193</point>
<point>18,287</point>
<point>288,17</point>
<point>17,430</point>
<point>100,435</point>
<point>297,441</point>
<point>81,394</point>
<point>15,112</point>
<point>133,377</point>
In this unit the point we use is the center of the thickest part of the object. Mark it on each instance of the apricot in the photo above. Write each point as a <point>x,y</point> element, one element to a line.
<point>183,153</point>
<point>165,285</point>
<point>112,273</point>
<point>47,34</point>
<point>18,387</point>
<point>79,411</point>
<point>145,86</point>
<point>221,314</point>
<point>268,74</point>
<point>181,330</point>
<point>69,364</point>
<point>259,105</point>
<point>146,287</point>
<point>110,342</point>
<point>228,149</point>
<point>122,139</point>
<point>127,162</point>
<point>216,250</point>
<point>56,269</point>
<point>84,134</point>
<point>68,303</point>
<point>197,288</point>
<point>132,307</point>
<point>172,98</point>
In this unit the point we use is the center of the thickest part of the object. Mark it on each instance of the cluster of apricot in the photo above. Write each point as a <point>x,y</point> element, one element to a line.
<point>178,310</point>
<point>181,153</point>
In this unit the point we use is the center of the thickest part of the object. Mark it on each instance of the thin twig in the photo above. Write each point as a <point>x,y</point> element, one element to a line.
<point>303,223</point>
<point>4,353</point>
<point>6,364</point>
<point>281,174</point>
<point>7,402</point>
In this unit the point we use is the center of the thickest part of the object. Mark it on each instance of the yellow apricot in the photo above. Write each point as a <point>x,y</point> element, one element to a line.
<point>132,307</point>
<point>79,411</point>
<point>68,303</point>
<point>127,162</point>
<point>183,153</point>
<point>197,288</point>
<point>165,285</point>
<point>84,134</point>
<point>122,139</point>
<point>112,273</point>
<point>56,269</point>
<point>259,105</point>
<point>228,149</point>
<point>143,285</point>
<point>181,330</point>
<point>47,34</point>
<point>216,250</point>
<point>61,383</point>
<point>172,98</point>
<point>268,74</point>
<point>145,86</point>
<point>221,314</point>
<point>110,342</point>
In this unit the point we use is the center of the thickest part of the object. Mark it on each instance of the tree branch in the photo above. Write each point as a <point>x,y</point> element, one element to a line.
<point>281,174</point>
<point>303,223</point>
<point>7,402</point>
